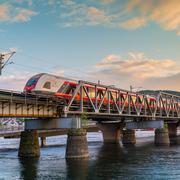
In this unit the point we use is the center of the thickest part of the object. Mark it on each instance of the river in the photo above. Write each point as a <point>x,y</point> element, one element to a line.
<point>144,161</point>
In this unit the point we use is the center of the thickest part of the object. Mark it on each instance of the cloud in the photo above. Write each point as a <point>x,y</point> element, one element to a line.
<point>78,14</point>
<point>138,70</point>
<point>165,13</point>
<point>163,83</point>
<point>130,14</point>
<point>134,23</point>
<point>23,15</point>
<point>139,66</point>
<point>12,82</point>
<point>9,13</point>
<point>15,81</point>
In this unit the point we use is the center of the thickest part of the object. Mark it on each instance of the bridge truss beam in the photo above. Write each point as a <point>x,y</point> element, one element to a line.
<point>97,100</point>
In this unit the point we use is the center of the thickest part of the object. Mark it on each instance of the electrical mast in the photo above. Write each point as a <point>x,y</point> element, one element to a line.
<point>4,60</point>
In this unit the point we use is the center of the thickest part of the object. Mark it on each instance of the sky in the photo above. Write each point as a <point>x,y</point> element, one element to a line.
<point>119,42</point>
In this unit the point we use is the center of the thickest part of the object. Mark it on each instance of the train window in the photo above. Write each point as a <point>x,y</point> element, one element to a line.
<point>47,85</point>
<point>70,89</point>
<point>63,88</point>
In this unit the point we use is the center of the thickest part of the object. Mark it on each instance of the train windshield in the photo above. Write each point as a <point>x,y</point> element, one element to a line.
<point>33,80</point>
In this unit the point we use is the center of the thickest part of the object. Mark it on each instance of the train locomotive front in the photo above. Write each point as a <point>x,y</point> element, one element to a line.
<point>47,84</point>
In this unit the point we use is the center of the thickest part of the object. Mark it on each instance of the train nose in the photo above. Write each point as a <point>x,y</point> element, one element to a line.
<point>29,88</point>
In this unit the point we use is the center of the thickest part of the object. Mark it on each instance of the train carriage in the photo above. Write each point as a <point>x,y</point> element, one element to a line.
<point>63,87</point>
<point>46,83</point>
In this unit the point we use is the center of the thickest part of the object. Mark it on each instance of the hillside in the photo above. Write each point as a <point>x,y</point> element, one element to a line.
<point>157,92</point>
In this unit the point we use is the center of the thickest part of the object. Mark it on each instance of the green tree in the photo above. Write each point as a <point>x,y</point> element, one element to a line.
<point>84,119</point>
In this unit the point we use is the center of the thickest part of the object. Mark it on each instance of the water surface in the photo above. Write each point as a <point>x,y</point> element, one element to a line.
<point>107,161</point>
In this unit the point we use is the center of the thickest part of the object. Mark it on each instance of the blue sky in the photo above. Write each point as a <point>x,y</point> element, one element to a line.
<point>131,42</point>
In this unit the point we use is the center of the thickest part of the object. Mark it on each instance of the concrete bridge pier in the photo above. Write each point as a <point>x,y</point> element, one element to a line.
<point>29,144</point>
<point>77,146</point>
<point>111,131</point>
<point>129,137</point>
<point>162,137</point>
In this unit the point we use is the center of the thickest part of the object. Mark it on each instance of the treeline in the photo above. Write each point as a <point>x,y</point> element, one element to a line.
<point>157,92</point>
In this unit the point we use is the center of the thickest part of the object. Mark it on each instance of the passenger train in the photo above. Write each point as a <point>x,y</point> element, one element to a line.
<point>63,87</point>
<point>47,84</point>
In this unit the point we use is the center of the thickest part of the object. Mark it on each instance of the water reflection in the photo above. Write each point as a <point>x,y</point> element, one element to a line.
<point>175,140</point>
<point>77,169</point>
<point>108,159</point>
<point>28,168</point>
<point>108,156</point>
<point>114,151</point>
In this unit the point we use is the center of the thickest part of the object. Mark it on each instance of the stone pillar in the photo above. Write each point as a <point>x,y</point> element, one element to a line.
<point>162,137</point>
<point>43,141</point>
<point>111,131</point>
<point>29,144</point>
<point>129,137</point>
<point>77,146</point>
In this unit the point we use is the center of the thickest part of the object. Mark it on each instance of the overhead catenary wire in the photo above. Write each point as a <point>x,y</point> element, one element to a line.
<point>38,70</point>
<point>42,60</point>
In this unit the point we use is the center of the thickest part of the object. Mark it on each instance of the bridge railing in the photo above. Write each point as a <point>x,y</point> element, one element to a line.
<point>99,100</point>
<point>19,104</point>
<point>18,95</point>
<point>7,129</point>
<point>169,103</point>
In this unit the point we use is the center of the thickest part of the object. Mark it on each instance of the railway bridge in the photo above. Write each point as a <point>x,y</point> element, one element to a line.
<point>117,113</point>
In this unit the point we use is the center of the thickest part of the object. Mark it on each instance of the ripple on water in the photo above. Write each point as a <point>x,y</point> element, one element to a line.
<point>107,161</point>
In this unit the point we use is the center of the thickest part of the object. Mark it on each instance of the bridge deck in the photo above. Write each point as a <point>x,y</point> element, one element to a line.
<point>111,103</point>
<point>17,104</point>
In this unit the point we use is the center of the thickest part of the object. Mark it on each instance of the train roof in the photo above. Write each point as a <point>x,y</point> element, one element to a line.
<point>52,75</point>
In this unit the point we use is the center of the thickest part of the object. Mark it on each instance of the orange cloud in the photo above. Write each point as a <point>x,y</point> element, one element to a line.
<point>96,16</point>
<point>134,23</point>
<point>166,13</point>
<point>8,13</point>
<point>139,66</point>
<point>130,14</point>
<point>138,70</point>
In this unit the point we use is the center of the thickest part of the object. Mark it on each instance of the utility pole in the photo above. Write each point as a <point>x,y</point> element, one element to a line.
<point>131,88</point>
<point>1,63</point>
<point>4,62</point>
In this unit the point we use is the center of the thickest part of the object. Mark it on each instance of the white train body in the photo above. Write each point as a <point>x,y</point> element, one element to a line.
<point>45,83</point>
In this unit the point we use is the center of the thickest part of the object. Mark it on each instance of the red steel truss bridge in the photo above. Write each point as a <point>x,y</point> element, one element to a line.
<point>115,102</point>
<point>94,100</point>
